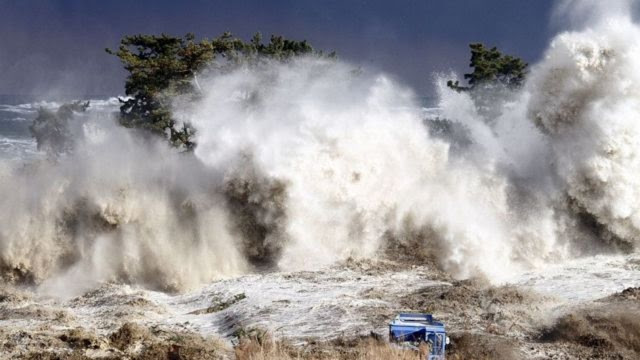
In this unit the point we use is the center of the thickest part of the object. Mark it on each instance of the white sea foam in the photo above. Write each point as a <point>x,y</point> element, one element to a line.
<point>302,164</point>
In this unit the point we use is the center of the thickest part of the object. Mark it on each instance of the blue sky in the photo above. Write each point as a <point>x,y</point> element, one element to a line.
<point>58,45</point>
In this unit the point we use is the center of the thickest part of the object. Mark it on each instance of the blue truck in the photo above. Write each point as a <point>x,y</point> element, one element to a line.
<point>418,328</point>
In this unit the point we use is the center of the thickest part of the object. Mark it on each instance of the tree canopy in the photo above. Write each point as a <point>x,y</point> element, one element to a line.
<point>491,67</point>
<point>162,67</point>
<point>52,131</point>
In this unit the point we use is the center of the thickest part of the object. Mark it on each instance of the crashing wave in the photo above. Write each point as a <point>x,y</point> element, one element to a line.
<point>303,164</point>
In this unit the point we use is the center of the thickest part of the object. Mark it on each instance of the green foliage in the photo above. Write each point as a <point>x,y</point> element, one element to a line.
<point>491,67</point>
<point>455,133</point>
<point>163,67</point>
<point>51,129</point>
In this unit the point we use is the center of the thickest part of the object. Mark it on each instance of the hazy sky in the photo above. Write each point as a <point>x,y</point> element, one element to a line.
<point>58,46</point>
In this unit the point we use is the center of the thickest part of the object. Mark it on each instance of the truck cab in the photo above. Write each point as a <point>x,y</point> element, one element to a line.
<point>419,328</point>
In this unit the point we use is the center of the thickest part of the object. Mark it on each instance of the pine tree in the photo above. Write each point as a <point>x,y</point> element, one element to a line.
<point>163,67</point>
<point>491,67</point>
<point>52,129</point>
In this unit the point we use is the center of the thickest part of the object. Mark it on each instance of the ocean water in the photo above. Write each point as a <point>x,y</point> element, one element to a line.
<point>17,112</point>
<point>343,184</point>
<point>540,190</point>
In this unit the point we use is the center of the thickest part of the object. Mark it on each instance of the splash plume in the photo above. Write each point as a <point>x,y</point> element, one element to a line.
<point>303,164</point>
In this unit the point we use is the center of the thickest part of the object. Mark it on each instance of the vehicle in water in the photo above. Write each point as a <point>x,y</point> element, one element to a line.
<point>420,328</point>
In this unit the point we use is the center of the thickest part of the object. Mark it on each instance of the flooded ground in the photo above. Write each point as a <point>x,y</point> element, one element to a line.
<point>350,300</point>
